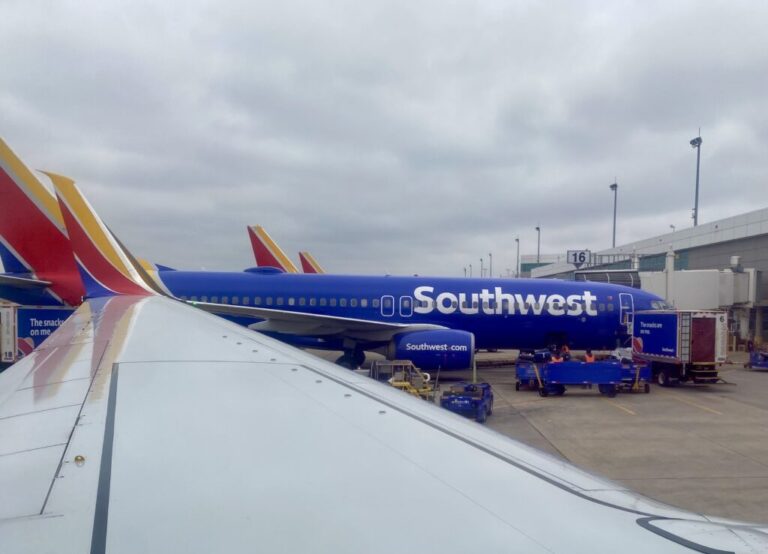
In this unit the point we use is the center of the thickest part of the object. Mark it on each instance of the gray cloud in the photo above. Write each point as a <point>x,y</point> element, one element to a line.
<point>400,137</point>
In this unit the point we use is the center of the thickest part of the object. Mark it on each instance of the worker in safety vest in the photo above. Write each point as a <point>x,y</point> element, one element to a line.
<point>556,357</point>
<point>589,357</point>
<point>566,352</point>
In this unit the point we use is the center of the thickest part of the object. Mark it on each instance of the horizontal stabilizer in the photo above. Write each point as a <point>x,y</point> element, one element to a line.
<point>22,282</point>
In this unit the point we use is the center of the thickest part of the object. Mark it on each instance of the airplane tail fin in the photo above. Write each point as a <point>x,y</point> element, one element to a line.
<point>105,265</point>
<point>309,263</point>
<point>33,239</point>
<point>267,252</point>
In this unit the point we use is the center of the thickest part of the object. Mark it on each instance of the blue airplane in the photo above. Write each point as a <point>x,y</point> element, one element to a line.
<point>436,322</point>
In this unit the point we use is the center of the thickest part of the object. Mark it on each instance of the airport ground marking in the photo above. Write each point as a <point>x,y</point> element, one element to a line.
<point>620,407</point>
<point>695,404</point>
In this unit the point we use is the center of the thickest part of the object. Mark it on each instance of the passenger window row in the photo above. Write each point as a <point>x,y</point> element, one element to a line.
<point>365,302</point>
<point>283,301</point>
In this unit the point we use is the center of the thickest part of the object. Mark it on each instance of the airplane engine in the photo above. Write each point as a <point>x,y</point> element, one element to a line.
<point>431,350</point>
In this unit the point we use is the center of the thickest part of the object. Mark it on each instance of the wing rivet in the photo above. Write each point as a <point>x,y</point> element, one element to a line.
<point>294,369</point>
<point>382,412</point>
<point>319,381</point>
<point>79,460</point>
<point>347,395</point>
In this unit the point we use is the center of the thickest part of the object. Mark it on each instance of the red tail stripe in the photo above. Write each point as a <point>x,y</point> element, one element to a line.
<point>39,241</point>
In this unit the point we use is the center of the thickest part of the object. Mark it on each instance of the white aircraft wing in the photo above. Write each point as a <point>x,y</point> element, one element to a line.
<point>144,425</point>
<point>307,323</point>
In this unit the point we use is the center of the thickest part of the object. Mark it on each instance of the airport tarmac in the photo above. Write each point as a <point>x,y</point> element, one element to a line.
<point>702,448</point>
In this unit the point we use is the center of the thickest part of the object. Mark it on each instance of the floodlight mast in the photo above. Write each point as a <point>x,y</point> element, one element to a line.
<point>696,143</point>
<point>615,188</point>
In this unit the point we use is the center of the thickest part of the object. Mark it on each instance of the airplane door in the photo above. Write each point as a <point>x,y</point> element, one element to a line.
<point>406,306</point>
<point>627,311</point>
<point>387,306</point>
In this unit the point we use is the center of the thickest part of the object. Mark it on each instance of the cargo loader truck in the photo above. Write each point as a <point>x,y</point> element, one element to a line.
<point>681,345</point>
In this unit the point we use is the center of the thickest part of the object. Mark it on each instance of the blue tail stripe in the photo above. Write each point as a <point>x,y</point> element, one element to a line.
<point>93,289</point>
<point>10,262</point>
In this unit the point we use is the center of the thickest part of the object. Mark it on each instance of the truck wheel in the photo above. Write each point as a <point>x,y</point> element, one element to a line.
<point>517,386</point>
<point>560,390</point>
<point>490,408</point>
<point>481,415</point>
<point>646,388</point>
<point>543,391</point>
<point>607,390</point>
<point>662,378</point>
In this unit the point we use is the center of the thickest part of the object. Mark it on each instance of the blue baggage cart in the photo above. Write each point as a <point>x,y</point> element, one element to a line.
<point>556,377</point>
<point>527,374</point>
<point>758,359</point>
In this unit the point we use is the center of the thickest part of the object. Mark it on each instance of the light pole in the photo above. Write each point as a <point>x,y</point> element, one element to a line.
<point>482,269</point>
<point>538,244</point>
<point>615,188</point>
<point>672,227</point>
<point>470,271</point>
<point>465,271</point>
<point>696,143</point>
<point>490,264</point>
<point>517,263</point>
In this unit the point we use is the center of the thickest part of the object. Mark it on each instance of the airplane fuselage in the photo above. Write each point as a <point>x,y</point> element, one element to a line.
<point>501,313</point>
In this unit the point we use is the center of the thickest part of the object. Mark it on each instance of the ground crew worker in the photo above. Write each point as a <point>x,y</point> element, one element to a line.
<point>566,352</point>
<point>556,358</point>
<point>589,357</point>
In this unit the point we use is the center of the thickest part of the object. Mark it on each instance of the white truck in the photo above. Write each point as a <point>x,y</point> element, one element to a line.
<point>681,345</point>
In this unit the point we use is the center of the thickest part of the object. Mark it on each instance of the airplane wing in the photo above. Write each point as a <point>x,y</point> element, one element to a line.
<point>305,323</point>
<point>144,425</point>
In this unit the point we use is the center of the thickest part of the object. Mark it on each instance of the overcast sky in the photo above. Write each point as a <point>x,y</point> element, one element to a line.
<point>400,137</point>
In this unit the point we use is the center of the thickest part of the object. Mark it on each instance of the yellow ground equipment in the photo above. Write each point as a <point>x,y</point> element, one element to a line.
<point>409,378</point>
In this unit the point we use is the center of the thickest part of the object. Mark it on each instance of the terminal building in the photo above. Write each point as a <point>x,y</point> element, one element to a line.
<point>717,265</point>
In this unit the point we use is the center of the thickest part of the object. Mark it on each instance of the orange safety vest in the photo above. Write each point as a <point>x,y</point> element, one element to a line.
<point>556,360</point>
<point>589,358</point>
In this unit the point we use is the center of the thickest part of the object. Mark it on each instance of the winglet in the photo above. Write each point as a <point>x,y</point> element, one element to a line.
<point>309,263</point>
<point>33,239</point>
<point>267,252</point>
<point>106,266</point>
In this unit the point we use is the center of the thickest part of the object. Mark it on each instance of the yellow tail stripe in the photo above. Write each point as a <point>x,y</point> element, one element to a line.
<point>275,250</point>
<point>313,262</point>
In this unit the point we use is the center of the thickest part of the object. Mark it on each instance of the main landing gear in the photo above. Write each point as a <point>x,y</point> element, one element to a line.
<point>351,359</point>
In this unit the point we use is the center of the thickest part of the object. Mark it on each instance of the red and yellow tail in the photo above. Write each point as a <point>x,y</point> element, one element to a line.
<point>33,239</point>
<point>309,264</point>
<point>267,252</point>
<point>106,266</point>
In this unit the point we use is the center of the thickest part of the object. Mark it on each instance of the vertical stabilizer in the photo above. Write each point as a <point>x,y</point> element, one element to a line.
<point>106,266</point>
<point>33,239</point>
<point>267,252</point>
<point>309,263</point>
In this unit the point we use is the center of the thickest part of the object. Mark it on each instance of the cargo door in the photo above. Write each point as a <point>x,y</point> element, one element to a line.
<point>703,340</point>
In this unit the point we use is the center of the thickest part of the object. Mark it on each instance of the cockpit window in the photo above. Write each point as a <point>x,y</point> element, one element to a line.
<point>660,305</point>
